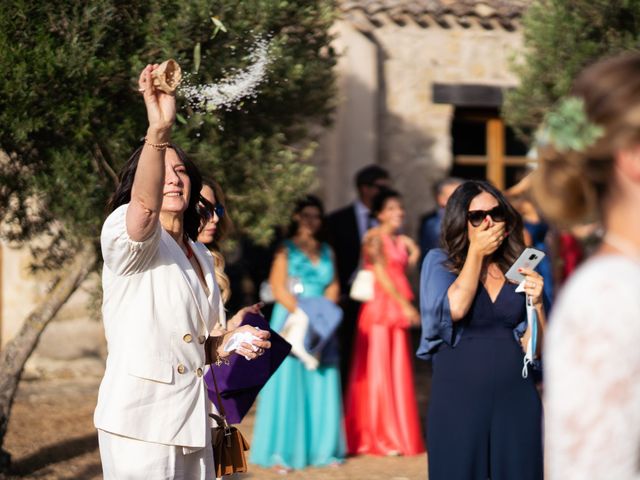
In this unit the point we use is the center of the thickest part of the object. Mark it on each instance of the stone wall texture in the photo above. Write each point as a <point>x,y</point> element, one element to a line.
<point>411,135</point>
<point>73,343</point>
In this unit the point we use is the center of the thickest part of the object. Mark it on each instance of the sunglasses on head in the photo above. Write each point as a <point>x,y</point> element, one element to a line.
<point>476,217</point>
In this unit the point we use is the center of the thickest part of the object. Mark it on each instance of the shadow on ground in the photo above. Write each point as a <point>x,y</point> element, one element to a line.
<point>51,436</point>
<point>59,452</point>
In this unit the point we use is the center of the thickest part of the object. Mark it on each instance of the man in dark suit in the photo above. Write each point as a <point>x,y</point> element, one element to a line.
<point>429,230</point>
<point>347,227</point>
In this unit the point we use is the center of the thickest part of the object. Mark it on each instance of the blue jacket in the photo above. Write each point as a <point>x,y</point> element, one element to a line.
<point>435,311</point>
<point>324,318</point>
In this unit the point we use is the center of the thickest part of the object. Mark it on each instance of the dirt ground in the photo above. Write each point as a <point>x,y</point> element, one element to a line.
<point>51,437</point>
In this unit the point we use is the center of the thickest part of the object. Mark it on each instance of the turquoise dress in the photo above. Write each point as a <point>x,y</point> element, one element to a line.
<point>299,417</point>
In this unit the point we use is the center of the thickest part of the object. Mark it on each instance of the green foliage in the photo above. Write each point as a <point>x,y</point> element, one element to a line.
<point>560,38</point>
<point>567,127</point>
<point>71,115</point>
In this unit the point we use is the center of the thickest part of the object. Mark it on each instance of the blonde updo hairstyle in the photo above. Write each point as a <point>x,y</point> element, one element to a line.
<point>222,230</point>
<point>570,186</point>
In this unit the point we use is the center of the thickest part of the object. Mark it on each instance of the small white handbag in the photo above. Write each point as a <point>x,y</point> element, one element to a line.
<point>362,286</point>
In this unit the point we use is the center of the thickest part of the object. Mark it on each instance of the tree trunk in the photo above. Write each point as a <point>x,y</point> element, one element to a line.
<point>16,353</point>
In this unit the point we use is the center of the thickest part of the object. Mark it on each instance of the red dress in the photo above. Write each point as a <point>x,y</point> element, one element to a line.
<point>381,415</point>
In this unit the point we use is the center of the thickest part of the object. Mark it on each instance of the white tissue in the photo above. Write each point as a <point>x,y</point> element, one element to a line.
<point>237,339</point>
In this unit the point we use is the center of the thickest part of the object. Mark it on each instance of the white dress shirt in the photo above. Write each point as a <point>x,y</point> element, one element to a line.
<point>362,217</point>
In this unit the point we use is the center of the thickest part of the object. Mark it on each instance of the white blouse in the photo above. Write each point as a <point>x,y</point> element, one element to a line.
<point>592,374</point>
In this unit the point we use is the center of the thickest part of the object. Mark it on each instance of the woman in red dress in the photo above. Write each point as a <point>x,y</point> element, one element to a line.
<point>381,415</point>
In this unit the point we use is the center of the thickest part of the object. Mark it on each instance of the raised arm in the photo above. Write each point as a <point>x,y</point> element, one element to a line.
<point>146,193</point>
<point>412,248</point>
<point>483,241</point>
<point>437,326</point>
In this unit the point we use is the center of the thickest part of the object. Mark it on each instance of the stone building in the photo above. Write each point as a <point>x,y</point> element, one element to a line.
<point>420,89</point>
<point>73,344</point>
<point>421,85</point>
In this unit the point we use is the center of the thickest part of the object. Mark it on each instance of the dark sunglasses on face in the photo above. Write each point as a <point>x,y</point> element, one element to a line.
<point>476,217</point>
<point>311,216</point>
<point>209,211</point>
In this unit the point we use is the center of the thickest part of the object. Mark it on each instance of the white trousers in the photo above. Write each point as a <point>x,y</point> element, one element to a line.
<point>125,458</point>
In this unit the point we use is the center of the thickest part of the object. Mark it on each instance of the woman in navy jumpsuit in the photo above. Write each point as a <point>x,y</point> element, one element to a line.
<point>484,419</point>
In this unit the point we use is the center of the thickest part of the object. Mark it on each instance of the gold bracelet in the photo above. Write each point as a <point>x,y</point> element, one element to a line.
<point>158,146</point>
<point>220,361</point>
<point>214,350</point>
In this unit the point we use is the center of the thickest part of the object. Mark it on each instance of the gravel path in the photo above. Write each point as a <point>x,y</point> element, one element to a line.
<point>51,437</point>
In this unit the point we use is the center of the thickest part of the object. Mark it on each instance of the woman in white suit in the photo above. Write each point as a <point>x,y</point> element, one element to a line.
<point>160,303</point>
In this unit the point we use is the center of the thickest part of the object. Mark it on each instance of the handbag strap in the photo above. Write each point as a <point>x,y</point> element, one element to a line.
<point>223,415</point>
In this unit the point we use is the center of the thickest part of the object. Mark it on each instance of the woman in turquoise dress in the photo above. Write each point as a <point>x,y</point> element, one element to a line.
<point>299,416</point>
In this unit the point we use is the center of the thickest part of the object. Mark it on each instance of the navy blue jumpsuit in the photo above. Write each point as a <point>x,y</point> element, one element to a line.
<point>484,419</point>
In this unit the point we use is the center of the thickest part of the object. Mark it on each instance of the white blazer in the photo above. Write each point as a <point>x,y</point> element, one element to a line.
<point>156,318</point>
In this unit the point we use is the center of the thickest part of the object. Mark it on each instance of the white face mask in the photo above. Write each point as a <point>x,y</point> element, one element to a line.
<point>532,344</point>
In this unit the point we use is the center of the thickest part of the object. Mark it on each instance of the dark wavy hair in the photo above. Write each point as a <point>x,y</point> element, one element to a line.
<point>380,200</point>
<point>454,234</point>
<point>304,202</point>
<point>192,215</point>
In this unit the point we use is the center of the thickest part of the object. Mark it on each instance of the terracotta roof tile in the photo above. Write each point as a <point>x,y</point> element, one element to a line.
<point>486,13</point>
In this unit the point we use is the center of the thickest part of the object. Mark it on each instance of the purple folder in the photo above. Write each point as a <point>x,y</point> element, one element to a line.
<point>241,380</point>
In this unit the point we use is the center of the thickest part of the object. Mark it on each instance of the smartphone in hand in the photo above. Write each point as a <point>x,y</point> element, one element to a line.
<point>530,259</point>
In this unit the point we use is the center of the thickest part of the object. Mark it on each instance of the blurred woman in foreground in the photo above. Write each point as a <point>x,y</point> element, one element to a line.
<point>592,407</point>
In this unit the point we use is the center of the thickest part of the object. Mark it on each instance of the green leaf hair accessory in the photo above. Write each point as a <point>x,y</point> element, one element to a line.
<point>567,127</point>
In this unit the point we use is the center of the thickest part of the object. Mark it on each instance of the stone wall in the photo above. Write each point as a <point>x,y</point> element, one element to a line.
<point>412,136</point>
<point>352,142</point>
<point>20,290</point>
<point>73,342</point>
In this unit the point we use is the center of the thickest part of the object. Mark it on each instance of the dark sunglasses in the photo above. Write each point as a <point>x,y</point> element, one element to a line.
<point>311,216</point>
<point>209,211</point>
<point>476,217</point>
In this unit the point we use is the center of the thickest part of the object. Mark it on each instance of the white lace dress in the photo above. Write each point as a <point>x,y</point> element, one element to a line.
<point>592,374</point>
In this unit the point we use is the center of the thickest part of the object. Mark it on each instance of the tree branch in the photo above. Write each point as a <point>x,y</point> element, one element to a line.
<point>105,164</point>
<point>15,354</point>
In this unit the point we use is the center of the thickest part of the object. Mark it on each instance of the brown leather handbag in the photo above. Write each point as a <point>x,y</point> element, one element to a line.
<point>228,442</point>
